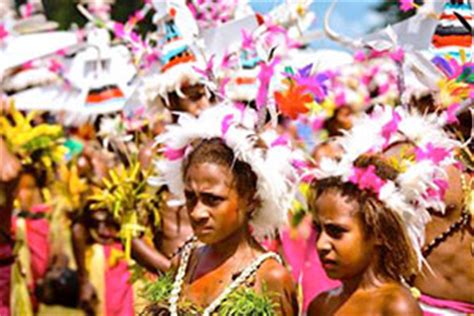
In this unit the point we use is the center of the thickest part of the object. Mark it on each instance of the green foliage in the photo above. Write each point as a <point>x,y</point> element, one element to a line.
<point>245,301</point>
<point>65,12</point>
<point>391,12</point>
<point>158,290</point>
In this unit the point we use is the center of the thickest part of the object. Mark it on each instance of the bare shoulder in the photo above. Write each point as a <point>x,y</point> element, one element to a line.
<point>398,300</point>
<point>320,304</point>
<point>274,278</point>
<point>274,275</point>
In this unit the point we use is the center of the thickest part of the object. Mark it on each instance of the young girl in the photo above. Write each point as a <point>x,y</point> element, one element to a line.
<point>370,208</point>
<point>236,189</point>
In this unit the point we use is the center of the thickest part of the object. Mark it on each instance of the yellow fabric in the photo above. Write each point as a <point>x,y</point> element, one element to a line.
<point>96,266</point>
<point>56,310</point>
<point>20,297</point>
<point>21,274</point>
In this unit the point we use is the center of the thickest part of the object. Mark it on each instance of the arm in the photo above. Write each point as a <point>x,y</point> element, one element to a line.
<point>10,168</point>
<point>276,280</point>
<point>87,296</point>
<point>149,257</point>
<point>400,304</point>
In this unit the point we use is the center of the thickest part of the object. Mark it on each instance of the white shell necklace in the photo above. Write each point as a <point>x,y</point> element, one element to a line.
<point>178,282</point>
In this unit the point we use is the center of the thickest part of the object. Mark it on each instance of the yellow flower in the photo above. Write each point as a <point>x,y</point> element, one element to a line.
<point>452,92</point>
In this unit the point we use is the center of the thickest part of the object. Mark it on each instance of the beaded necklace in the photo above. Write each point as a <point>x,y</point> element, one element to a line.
<point>178,282</point>
<point>463,221</point>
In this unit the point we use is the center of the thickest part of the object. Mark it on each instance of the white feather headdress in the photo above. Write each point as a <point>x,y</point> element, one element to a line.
<point>276,176</point>
<point>421,181</point>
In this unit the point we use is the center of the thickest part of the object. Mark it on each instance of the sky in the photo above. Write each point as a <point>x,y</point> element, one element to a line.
<point>353,18</point>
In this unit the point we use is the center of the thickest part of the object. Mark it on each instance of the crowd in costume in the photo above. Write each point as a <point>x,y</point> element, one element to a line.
<point>222,164</point>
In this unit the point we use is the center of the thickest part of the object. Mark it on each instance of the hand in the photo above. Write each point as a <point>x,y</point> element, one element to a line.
<point>9,164</point>
<point>88,298</point>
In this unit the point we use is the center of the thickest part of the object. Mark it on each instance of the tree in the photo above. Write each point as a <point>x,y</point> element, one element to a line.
<point>65,12</point>
<point>391,12</point>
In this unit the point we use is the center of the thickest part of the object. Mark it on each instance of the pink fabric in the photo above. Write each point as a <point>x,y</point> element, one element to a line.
<point>37,235</point>
<point>460,307</point>
<point>6,251</point>
<point>301,255</point>
<point>37,232</point>
<point>118,289</point>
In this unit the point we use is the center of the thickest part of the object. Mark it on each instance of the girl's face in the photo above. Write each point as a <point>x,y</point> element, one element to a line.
<point>28,191</point>
<point>215,208</point>
<point>103,229</point>
<point>343,248</point>
<point>196,100</point>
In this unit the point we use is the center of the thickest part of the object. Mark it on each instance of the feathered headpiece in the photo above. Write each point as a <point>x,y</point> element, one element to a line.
<point>178,60</point>
<point>421,179</point>
<point>273,165</point>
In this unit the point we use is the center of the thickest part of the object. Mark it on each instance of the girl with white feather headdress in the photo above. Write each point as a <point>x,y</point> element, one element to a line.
<point>371,205</point>
<point>237,185</point>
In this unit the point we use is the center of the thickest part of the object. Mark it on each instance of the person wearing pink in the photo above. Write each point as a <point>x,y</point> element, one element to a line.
<point>105,287</point>
<point>9,171</point>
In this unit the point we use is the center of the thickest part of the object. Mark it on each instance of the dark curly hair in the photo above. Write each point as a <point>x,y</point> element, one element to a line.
<point>215,151</point>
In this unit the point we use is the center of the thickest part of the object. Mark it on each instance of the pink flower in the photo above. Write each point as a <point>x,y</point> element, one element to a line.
<point>226,122</point>
<point>451,113</point>
<point>28,65</point>
<point>435,154</point>
<point>398,55</point>
<point>264,76</point>
<point>119,30</point>
<point>55,66</point>
<point>26,10</point>
<point>366,179</point>
<point>391,127</point>
<point>340,99</point>
<point>317,124</point>
<point>359,56</point>
<point>407,5</point>
<point>174,154</point>
<point>282,140</point>
<point>3,32</point>
<point>247,40</point>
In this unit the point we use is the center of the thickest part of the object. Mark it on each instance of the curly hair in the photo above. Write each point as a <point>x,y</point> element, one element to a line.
<point>215,151</point>
<point>397,256</point>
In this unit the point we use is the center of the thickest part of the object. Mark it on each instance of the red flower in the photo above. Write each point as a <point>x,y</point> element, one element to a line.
<point>293,101</point>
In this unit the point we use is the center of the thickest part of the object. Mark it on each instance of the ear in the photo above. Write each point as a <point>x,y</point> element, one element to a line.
<point>252,206</point>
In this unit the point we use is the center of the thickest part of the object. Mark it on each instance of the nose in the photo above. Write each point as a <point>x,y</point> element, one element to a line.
<point>199,213</point>
<point>323,243</point>
<point>200,105</point>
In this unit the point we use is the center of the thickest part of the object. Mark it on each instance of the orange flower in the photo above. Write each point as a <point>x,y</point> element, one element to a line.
<point>293,101</point>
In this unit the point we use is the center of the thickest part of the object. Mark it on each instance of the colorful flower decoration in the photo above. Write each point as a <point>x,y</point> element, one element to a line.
<point>33,144</point>
<point>293,101</point>
<point>128,198</point>
<point>407,5</point>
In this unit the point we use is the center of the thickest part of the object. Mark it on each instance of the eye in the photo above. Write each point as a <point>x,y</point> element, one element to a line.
<point>196,96</point>
<point>316,226</point>
<point>191,199</point>
<point>211,199</point>
<point>335,231</point>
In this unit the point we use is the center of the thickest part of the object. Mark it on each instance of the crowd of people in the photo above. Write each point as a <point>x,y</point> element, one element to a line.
<point>219,165</point>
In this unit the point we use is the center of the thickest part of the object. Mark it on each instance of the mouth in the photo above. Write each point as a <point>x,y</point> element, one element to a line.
<point>328,264</point>
<point>201,229</point>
